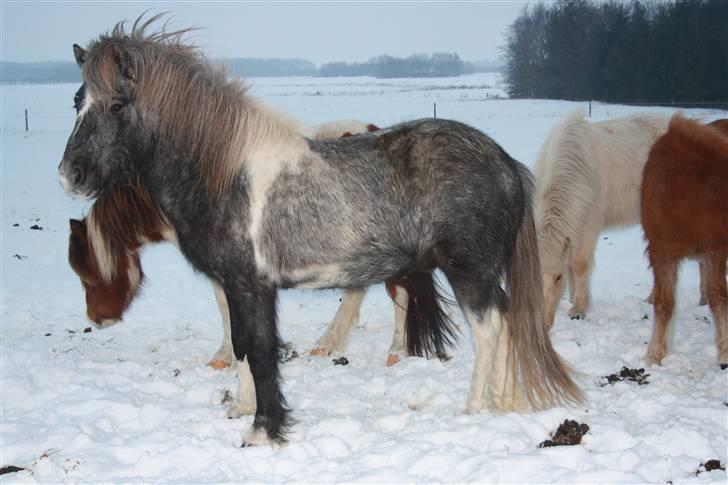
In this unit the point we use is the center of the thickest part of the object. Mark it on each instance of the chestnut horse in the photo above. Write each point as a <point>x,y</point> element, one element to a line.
<point>684,214</point>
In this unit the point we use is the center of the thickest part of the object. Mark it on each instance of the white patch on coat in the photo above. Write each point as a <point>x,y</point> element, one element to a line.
<point>102,252</point>
<point>315,276</point>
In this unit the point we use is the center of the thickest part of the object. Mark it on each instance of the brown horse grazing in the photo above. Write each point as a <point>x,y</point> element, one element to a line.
<point>685,214</point>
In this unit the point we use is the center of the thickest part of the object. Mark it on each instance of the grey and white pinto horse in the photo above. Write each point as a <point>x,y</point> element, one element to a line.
<point>257,207</point>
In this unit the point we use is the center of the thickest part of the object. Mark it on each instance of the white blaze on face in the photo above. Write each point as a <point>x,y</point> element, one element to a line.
<point>86,104</point>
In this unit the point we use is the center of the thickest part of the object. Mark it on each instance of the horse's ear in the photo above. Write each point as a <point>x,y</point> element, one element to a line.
<point>124,63</point>
<point>79,53</point>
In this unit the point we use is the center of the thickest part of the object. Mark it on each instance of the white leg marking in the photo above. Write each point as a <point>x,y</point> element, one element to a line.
<point>347,316</point>
<point>485,335</point>
<point>244,403</point>
<point>505,391</point>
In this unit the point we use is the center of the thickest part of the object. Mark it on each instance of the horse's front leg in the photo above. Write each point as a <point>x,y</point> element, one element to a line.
<point>345,319</point>
<point>581,263</point>
<point>253,332</point>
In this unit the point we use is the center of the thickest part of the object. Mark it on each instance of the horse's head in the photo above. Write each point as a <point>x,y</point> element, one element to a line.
<point>106,299</point>
<point>109,135</point>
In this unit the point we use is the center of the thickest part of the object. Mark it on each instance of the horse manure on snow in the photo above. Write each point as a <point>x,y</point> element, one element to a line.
<point>569,433</point>
<point>341,361</point>
<point>10,469</point>
<point>626,374</point>
<point>709,466</point>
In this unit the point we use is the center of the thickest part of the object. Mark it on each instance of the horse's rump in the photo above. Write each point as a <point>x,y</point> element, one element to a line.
<point>684,207</point>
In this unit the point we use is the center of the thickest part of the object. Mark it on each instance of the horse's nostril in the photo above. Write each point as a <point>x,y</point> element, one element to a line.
<point>77,176</point>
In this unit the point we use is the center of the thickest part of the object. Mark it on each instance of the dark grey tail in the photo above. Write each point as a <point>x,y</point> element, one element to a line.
<point>429,330</point>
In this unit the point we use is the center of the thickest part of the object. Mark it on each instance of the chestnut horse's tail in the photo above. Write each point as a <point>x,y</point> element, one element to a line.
<point>546,379</point>
<point>429,330</point>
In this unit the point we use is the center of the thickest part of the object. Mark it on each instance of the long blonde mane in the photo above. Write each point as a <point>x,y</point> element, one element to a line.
<point>566,185</point>
<point>193,101</point>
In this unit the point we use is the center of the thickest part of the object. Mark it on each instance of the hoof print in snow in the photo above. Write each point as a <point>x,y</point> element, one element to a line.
<point>20,256</point>
<point>87,330</point>
<point>340,361</point>
<point>569,433</point>
<point>287,353</point>
<point>36,227</point>
<point>176,372</point>
<point>10,469</point>
<point>709,466</point>
<point>16,225</point>
<point>634,375</point>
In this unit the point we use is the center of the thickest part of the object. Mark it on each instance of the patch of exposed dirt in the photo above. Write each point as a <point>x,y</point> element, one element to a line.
<point>569,433</point>
<point>287,353</point>
<point>626,374</point>
<point>227,397</point>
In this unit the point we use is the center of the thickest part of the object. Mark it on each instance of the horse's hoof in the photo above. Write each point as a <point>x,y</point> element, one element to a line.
<point>703,301</point>
<point>218,364</point>
<point>257,437</point>
<point>723,366</point>
<point>653,358</point>
<point>393,359</point>
<point>576,316</point>
<point>320,352</point>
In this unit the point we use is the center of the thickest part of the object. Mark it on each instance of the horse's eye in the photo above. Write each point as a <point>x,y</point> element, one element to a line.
<point>116,107</point>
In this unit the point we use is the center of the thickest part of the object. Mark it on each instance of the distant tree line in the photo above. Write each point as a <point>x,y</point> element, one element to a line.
<point>642,51</point>
<point>420,65</point>
<point>39,72</point>
<point>440,64</point>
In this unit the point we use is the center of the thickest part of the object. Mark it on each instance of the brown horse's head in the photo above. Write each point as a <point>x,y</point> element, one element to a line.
<point>106,299</point>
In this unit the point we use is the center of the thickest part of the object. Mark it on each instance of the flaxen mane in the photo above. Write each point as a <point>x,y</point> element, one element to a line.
<point>119,220</point>
<point>566,184</point>
<point>177,80</point>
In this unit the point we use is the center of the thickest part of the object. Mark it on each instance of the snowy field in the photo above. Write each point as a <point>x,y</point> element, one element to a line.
<point>136,403</point>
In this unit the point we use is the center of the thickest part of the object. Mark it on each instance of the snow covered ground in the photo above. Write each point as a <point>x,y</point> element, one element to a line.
<point>135,402</point>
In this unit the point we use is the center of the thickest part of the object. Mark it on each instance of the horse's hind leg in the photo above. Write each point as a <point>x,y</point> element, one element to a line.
<point>345,319</point>
<point>400,299</point>
<point>581,264</point>
<point>224,356</point>
<point>665,272</point>
<point>718,298</point>
<point>477,298</point>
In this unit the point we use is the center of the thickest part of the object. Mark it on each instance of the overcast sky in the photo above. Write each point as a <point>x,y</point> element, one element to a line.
<point>318,31</point>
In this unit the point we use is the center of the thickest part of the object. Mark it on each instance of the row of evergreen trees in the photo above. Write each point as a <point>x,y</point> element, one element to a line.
<point>643,51</point>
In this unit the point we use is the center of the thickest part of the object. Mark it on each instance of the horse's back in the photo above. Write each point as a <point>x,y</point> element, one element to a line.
<point>683,190</point>
<point>380,204</point>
